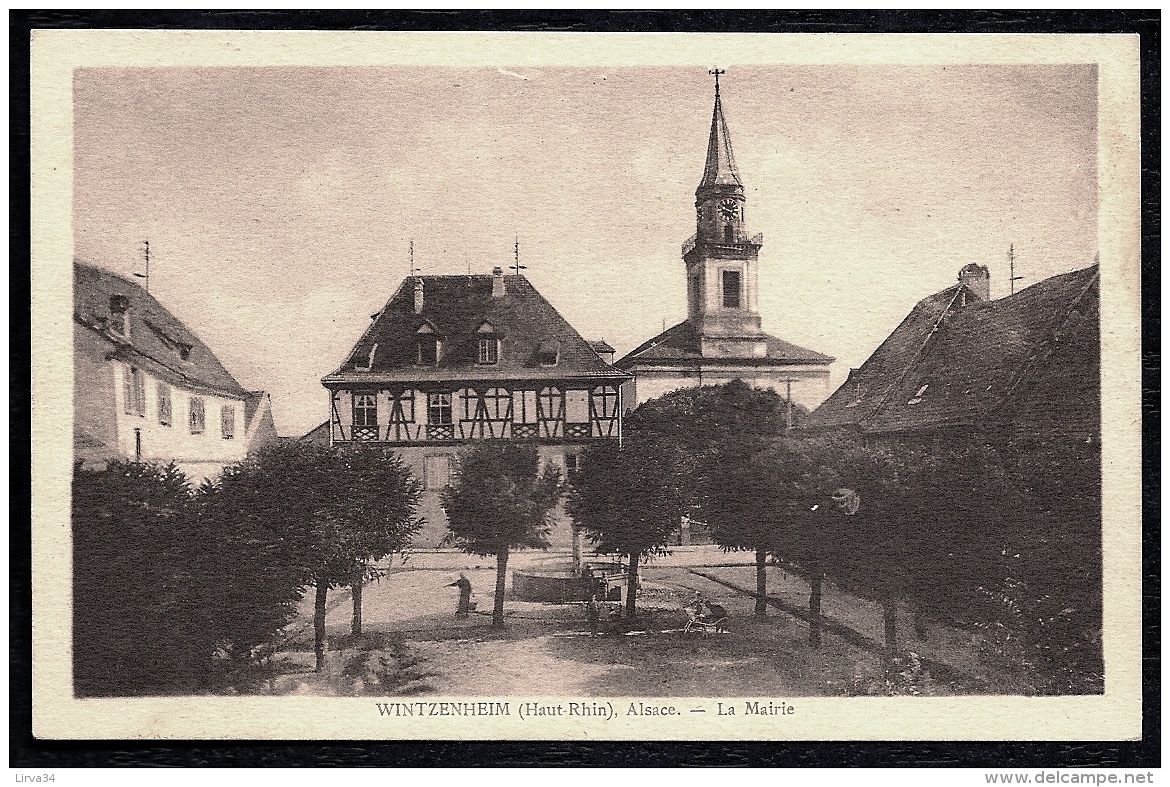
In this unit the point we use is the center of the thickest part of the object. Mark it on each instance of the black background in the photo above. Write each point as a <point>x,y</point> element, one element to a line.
<point>25,751</point>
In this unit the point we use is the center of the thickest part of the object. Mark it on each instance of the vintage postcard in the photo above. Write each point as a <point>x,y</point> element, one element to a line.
<point>591,386</point>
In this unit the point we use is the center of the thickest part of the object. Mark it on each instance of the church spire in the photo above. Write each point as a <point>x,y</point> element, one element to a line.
<point>719,169</point>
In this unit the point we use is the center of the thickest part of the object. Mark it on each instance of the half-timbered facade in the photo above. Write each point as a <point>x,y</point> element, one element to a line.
<point>451,360</point>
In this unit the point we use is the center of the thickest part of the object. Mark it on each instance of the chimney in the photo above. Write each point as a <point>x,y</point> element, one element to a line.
<point>120,315</point>
<point>418,296</point>
<point>978,278</point>
<point>497,282</point>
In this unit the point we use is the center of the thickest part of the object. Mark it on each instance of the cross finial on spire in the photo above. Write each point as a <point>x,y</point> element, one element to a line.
<point>717,71</point>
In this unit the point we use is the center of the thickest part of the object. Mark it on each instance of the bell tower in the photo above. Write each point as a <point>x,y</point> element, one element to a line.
<point>721,259</point>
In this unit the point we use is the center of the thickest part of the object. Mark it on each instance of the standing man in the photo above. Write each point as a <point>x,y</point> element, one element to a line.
<point>464,585</point>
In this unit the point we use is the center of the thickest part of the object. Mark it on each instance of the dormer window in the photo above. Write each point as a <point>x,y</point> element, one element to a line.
<point>549,353</point>
<point>369,360</point>
<point>489,344</point>
<point>120,315</point>
<point>429,345</point>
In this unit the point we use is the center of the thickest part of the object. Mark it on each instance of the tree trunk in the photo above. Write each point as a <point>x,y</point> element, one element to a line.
<point>890,620</point>
<point>501,586</point>
<point>632,585</point>
<point>576,550</point>
<point>319,624</point>
<point>355,590</point>
<point>761,583</point>
<point>814,610</point>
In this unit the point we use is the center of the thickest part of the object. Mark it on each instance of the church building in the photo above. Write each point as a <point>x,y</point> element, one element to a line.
<point>722,338</point>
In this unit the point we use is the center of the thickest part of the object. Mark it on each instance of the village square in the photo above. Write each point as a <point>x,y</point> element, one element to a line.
<point>490,500</point>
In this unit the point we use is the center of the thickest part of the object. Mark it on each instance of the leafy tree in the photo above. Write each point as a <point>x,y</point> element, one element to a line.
<point>717,429</point>
<point>323,514</point>
<point>630,500</point>
<point>500,501</point>
<point>138,625</point>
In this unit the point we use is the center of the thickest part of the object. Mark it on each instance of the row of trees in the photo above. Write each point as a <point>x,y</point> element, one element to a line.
<point>181,590</point>
<point>1004,538</point>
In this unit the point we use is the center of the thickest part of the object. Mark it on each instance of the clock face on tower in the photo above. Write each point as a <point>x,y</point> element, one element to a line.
<point>728,209</point>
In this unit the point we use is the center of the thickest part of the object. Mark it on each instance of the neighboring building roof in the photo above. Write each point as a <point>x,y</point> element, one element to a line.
<point>1031,359</point>
<point>719,169</point>
<point>158,341</point>
<point>601,346</point>
<point>682,345</point>
<point>318,435</point>
<point>459,310</point>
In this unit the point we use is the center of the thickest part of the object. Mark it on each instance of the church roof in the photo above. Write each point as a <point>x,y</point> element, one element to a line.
<point>459,310</point>
<point>157,342</point>
<point>682,345</point>
<point>719,169</point>
<point>1032,358</point>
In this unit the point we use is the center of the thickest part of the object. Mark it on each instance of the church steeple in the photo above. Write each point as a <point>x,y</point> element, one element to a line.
<point>720,167</point>
<point>721,259</point>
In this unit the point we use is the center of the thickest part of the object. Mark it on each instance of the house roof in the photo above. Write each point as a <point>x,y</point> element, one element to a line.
<point>460,310</point>
<point>157,342</point>
<point>682,345</point>
<point>956,360</point>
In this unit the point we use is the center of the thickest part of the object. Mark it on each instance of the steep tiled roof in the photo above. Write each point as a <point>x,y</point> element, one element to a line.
<point>158,342</point>
<point>959,361</point>
<point>458,309</point>
<point>681,344</point>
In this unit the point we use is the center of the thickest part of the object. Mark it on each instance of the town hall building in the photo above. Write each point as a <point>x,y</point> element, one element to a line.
<point>452,360</point>
<point>722,338</point>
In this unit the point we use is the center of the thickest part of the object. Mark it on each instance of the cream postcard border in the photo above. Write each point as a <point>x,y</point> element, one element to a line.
<point>1116,715</point>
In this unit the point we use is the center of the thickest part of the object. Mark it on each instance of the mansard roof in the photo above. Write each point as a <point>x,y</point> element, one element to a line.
<point>158,342</point>
<point>1031,359</point>
<point>681,345</point>
<point>457,306</point>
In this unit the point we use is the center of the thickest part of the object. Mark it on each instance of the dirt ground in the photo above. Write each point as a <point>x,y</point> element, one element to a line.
<point>412,643</point>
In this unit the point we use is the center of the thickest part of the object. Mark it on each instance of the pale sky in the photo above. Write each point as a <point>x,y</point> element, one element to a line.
<point>280,202</point>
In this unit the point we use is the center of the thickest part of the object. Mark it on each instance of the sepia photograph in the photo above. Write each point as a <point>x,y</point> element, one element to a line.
<point>588,393</point>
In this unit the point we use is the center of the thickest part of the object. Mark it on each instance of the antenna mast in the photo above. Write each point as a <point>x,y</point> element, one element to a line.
<point>1012,277</point>
<point>146,255</point>
<point>516,266</point>
<point>414,272</point>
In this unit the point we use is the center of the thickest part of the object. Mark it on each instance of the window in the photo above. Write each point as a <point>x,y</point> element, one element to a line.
<point>365,409</point>
<point>134,392</point>
<point>489,344</point>
<point>731,289</point>
<point>198,418</point>
<point>227,421</point>
<point>437,471</point>
<point>489,351</point>
<point>549,352</point>
<point>573,463</point>
<point>605,402</point>
<point>439,408</point>
<point>164,404</point>
<point>428,351</point>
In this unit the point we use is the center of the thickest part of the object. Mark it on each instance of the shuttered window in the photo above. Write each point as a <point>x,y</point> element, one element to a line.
<point>164,404</point>
<point>198,417</point>
<point>227,420</point>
